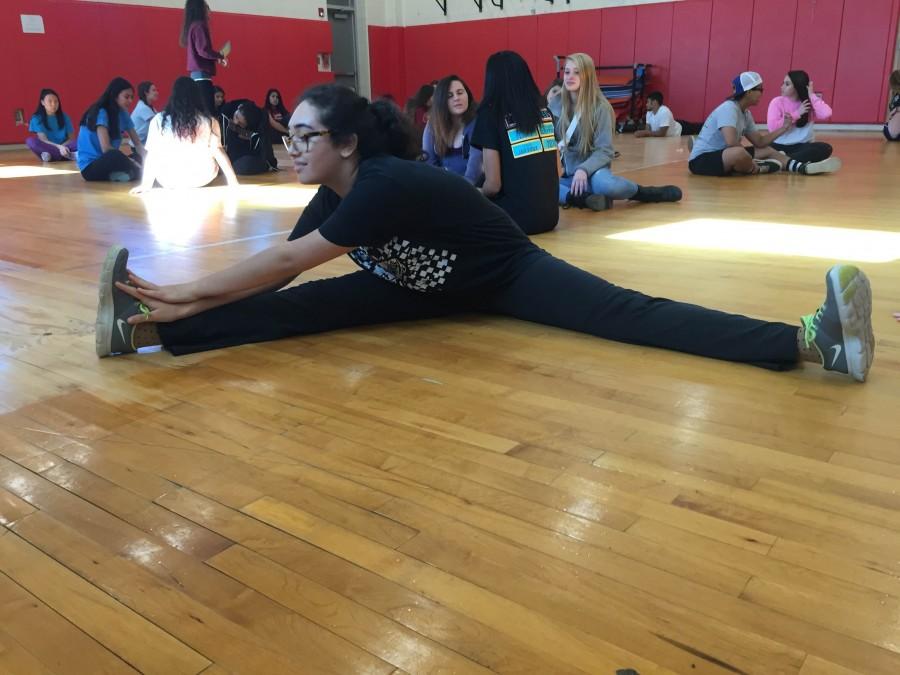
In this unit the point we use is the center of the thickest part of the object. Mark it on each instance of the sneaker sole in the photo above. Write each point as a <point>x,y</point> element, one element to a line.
<point>105,308</point>
<point>829,165</point>
<point>854,302</point>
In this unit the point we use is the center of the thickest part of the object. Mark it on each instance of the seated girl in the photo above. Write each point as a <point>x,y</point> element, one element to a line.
<point>418,108</point>
<point>553,91</point>
<point>718,150</point>
<point>218,101</point>
<point>184,147</point>
<point>447,141</point>
<point>245,135</point>
<point>53,140</point>
<point>100,136</point>
<point>803,105</point>
<point>892,126</point>
<point>514,131</point>
<point>585,132</point>
<point>144,111</point>
<point>278,116</point>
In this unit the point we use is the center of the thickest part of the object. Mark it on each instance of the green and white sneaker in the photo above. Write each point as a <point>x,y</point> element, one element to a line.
<point>841,329</point>
<point>113,333</point>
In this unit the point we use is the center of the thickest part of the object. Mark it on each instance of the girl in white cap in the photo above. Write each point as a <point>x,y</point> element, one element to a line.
<point>718,151</point>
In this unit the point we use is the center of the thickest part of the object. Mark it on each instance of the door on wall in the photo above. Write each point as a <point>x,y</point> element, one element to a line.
<point>343,43</point>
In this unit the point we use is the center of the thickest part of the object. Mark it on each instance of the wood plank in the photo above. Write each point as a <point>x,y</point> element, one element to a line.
<point>373,632</point>
<point>58,644</point>
<point>572,646</point>
<point>235,627</point>
<point>480,643</point>
<point>125,633</point>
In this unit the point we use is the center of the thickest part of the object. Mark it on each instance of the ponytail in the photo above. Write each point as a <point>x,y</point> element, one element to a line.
<point>379,127</point>
<point>800,80</point>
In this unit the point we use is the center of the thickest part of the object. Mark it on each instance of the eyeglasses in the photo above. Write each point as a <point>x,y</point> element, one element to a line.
<point>294,143</point>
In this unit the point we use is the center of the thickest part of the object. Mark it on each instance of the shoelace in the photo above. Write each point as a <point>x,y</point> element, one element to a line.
<point>144,310</point>
<point>809,325</point>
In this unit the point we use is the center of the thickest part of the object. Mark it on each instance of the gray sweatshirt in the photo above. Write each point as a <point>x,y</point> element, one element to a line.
<point>602,154</point>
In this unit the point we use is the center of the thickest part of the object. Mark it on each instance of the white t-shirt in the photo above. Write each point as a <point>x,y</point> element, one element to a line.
<point>179,162</point>
<point>663,118</point>
<point>141,117</point>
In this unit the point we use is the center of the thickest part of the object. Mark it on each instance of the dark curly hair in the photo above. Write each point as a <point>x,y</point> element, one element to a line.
<point>107,102</point>
<point>380,127</point>
<point>185,109</point>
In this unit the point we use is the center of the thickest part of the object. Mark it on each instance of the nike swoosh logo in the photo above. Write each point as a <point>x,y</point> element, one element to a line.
<point>837,352</point>
<point>119,324</point>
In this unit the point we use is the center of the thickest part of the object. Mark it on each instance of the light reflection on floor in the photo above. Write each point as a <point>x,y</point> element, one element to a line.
<point>22,171</point>
<point>175,216</point>
<point>831,243</point>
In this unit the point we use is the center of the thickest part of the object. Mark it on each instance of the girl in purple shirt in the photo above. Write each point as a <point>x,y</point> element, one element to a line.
<point>201,57</point>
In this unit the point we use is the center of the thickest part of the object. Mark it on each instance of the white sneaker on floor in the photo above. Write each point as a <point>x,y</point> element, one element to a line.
<point>829,165</point>
<point>45,157</point>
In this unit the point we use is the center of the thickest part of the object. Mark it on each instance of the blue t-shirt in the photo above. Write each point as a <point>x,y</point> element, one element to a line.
<point>89,143</point>
<point>51,128</point>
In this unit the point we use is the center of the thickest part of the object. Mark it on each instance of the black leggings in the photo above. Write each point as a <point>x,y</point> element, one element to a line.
<point>546,290</point>
<point>805,152</point>
<point>249,165</point>
<point>109,162</point>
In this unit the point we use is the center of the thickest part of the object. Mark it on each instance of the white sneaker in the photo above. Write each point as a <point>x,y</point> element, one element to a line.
<point>45,157</point>
<point>829,165</point>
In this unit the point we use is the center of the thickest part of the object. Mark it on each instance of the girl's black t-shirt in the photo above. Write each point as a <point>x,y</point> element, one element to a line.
<point>528,166</point>
<point>420,227</point>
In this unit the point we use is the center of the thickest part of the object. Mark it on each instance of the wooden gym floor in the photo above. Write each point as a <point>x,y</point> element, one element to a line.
<point>453,496</point>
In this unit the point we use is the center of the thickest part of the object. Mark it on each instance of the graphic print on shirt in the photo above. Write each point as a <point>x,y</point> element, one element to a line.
<point>406,264</point>
<point>540,140</point>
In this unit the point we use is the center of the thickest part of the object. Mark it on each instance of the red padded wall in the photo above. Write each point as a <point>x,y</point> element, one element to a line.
<point>483,38</point>
<point>653,42</point>
<point>87,44</point>
<point>553,40</point>
<point>386,62</point>
<point>690,54</point>
<point>522,37</point>
<point>617,36</point>
<point>729,48</point>
<point>860,80</point>
<point>817,40</point>
<point>771,45</point>
<point>585,31</point>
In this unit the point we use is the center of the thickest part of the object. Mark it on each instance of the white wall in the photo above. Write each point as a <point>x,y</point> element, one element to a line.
<point>419,12</point>
<point>384,12</point>
<point>292,9</point>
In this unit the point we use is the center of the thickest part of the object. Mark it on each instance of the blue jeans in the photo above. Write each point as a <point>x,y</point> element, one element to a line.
<point>602,182</point>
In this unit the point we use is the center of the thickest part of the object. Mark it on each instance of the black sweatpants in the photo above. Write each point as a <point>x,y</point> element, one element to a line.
<point>249,165</point>
<point>805,152</point>
<point>111,161</point>
<point>546,290</point>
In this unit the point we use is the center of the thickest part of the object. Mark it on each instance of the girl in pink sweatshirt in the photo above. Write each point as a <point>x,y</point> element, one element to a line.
<point>800,102</point>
